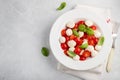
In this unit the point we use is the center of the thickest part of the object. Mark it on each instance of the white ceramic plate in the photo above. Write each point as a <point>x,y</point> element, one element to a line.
<point>55,33</point>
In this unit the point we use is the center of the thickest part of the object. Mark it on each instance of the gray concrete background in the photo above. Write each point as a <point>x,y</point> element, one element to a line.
<point>24,29</point>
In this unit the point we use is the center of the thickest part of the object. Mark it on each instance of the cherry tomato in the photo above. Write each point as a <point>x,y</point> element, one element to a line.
<point>96,40</point>
<point>63,32</point>
<point>91,42</point>
<point>82,58</point>
<point>76,26</point>
<point>78,41</point>
<point>90,37</point>
<point>77,50</point>
<point>72,37</point>
<point>86,53</point>
<point>65,52</point>
<point>64,46</point>
<point>93,27</point>
<point>67,38</point>
<point>85,36</point>
<point>75,29</point>
<point>81,22</point>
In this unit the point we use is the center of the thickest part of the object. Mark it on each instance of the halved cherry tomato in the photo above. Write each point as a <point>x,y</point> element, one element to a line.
<point>78,41</point>
<point>67,38</point>
<point>72,37</point>
<point>76,26</point>
<point>90,37</point>
<point>63,32</point>
<point>81,22</point>
<point>82,58</point>
<point>86,53</point>
<point>85,36</point>
<point>64,46</point>
<point>91,42</point>
<point>93,27</point>
<point>96,40</point>
<point>65,52</point>
<point>77,50</point>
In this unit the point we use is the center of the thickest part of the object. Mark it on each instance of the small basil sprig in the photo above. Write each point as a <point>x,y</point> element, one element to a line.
<point>62,6</point>
<point>75,33</point>
<point>84,45</point>
<point>82,28</point>
<point>45,51</point>
<point>88,30</point>
<point>71,53</point>
<point>101,41</point>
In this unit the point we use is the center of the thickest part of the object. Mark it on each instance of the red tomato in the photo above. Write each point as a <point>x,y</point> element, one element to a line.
<point>77,50</point>
<point>85,36</point>
<point>72,37</point>
<point>96,40</point>
<point>81,22</point>
<point>90,37</point>
<point>64,46</point>
<point>93,27</point>
<point>78,41</point>
<point>63,32</point>
<point>82,58</point>
<point>67,38</point>
<point>76,26</point>
<point>91,42</point>
<point>65,52</point>
<point>86,53</point>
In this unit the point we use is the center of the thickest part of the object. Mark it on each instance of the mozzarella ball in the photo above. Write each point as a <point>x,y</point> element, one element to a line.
<point>71,49</point>
<point>88,23</point>
<point>70,24</point>
<point>81,52</point>
<point>71,43</point>
<point>77,58</point>
<point>62,39</point>
<point>94,53</point>
<point>98,47</point>
<point>97,33</point>
<point>85,41</point>
<point>90,48</point>
<point>81,34</point>
<point>69,32</point>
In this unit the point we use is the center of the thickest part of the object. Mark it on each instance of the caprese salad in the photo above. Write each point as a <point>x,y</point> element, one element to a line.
<point>81,40</point>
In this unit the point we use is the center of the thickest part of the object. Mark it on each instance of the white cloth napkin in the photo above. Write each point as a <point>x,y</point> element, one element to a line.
<point>95,73</point>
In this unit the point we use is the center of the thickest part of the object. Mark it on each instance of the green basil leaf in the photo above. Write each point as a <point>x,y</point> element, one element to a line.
<point>84,45</point>
<point>62,6</point>
<point>82,28</point>
<point>75,33</point>
<point>89,31</point>
<point>101,41</point>
<point>45,51</point>
<point>71,53</point>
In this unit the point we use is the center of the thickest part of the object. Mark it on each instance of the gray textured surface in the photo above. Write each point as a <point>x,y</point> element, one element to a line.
<point>24,29</point>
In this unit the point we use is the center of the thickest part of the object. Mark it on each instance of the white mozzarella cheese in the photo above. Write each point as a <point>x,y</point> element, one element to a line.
<point>71,43</point>
<point>81,52</point>
<point>88,23</point>
<point>69,32</point>
<point>70,24</point>
<point>94,53</point>
<point>62,39</point>
<point>98,47</point>
<point>81,34</point>
<point>90,48</point>
<point>71,48</point>
<point>85,41</point>
<point>97,33</point>
<point>77,58</point>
